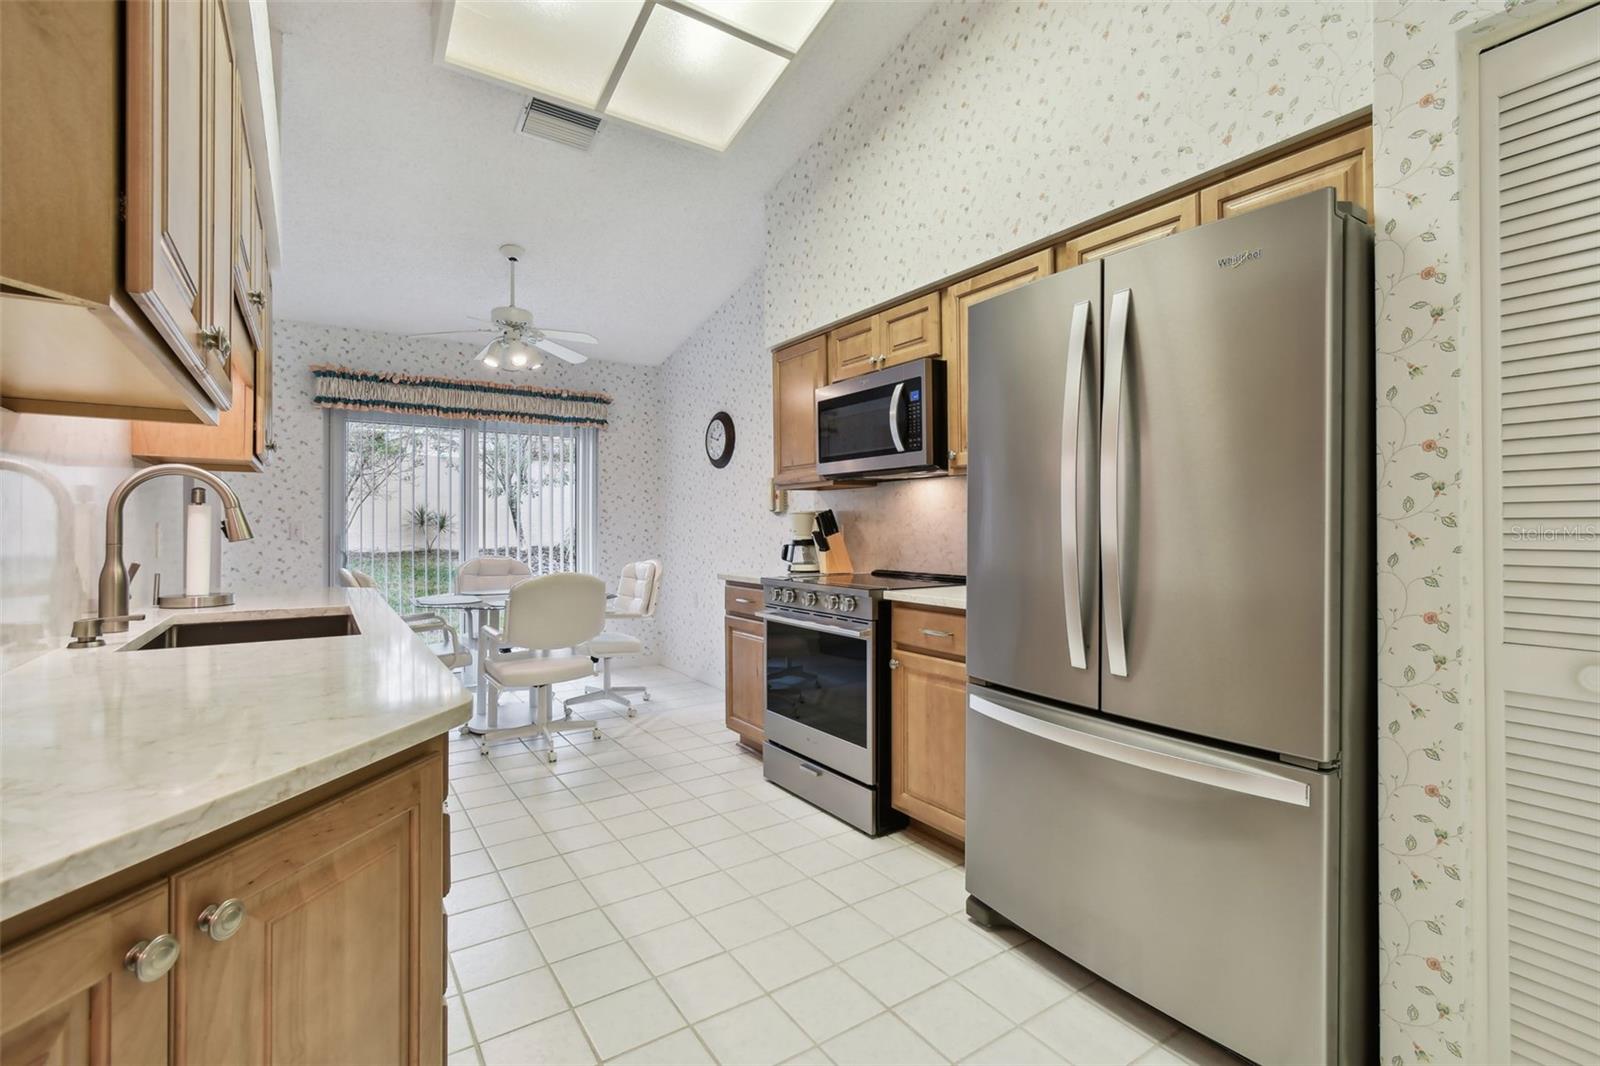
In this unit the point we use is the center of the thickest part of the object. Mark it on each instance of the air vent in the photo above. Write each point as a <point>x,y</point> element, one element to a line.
<point>541,118</point>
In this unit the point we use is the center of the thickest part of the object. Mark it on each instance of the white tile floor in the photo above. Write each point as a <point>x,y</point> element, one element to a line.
<point>649,898</point>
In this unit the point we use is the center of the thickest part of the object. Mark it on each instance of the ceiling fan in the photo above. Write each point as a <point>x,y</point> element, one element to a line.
<point>519,343</point>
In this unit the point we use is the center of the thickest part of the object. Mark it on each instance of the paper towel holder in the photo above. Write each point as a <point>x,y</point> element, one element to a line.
<point>197,497</point>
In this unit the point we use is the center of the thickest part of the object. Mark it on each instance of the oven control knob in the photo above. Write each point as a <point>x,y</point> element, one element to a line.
<point>777,595</point>
<point>811,599</point>
<point>849,603</point>
<point>833,602</point>
<point>788,595</point>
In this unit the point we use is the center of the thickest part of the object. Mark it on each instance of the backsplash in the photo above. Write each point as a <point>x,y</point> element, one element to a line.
<point>55,477</point>
<point>996,124</point>
<point>287,501</point>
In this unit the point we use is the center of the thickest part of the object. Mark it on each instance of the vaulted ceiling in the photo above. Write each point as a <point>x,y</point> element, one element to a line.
<point>402,177</point>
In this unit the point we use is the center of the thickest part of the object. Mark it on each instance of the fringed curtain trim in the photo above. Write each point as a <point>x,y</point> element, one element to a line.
<point>416,394</point>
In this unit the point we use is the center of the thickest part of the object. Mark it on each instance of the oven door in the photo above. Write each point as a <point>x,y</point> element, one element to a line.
<point>887,422</point>
<point>820,698</point>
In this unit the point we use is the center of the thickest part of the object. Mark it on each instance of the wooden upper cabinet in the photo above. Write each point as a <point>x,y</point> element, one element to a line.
<point>263,387</point>
<point>798,371</point>
<point>1157,222</point>
<point>898,335</point>
<point>1342,163</point>
<point>335,958</point>
<point>68,999</point>
<point>854,348</point>
<point>910,330</point>
<point>172,60</point>
<point>960,299</point>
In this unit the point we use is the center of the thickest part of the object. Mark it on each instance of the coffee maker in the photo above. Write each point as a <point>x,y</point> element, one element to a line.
<point>800,552</point>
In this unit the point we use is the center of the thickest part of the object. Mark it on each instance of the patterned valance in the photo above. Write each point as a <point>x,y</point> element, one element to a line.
<point>417,394</point>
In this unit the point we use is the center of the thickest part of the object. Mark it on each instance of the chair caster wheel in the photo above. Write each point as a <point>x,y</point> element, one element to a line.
<point>550,756</point>
<point>633,712</point>
<point>645,697</point>
<point>597,735</point>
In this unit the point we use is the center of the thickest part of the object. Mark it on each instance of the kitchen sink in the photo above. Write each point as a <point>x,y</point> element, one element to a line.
<point>249,631</point>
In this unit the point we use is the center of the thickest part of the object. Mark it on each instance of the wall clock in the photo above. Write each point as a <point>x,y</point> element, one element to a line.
<point>719,439</point>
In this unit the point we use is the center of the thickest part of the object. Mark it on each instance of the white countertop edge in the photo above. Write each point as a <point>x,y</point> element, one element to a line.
<point>951,597</point>
<point>743,579</point>
<point>23,890</point>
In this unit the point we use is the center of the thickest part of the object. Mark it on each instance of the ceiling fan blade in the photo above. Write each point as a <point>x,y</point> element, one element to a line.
<point>572,335</point>
<point>451,332</point>
<point>560,351</point>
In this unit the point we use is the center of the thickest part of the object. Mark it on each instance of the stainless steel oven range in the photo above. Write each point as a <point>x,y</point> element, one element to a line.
<point>827,708</point>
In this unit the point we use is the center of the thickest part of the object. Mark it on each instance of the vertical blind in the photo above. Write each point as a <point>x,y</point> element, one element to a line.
<point>1540,144</point>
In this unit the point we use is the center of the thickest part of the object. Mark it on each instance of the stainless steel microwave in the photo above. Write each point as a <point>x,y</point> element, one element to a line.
<point>889,423</point>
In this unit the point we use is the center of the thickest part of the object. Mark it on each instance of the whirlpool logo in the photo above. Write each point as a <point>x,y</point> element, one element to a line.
<point>1238,259</point>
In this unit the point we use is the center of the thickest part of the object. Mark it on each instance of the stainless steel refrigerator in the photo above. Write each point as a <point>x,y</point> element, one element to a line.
<point>1170,724</point>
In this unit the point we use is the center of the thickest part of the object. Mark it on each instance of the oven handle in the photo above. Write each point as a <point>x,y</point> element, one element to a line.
<point>894,416</point>
<point>821,627</point>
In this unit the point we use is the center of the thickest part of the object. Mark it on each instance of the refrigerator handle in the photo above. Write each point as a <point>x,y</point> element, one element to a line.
<point>1071,430</point>
<point>1200,769</point>
<point>1110,489</point>
<point>894,416</point>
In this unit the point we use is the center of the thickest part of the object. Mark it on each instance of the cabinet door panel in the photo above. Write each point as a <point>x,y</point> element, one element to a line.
<point>171,46</point>
<point>339,957</point>
<point>798,371</point>
<point>929,728</point>
<point>958,300</point>
<point>746,681</point>
<point>853,348</point>
<point>1343,164</point>
<point>911,330</point>
<point>1150,225</point>
<point>67,1000</point>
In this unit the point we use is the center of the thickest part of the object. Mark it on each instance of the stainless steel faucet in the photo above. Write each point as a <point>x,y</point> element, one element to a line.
<point>113,576</point>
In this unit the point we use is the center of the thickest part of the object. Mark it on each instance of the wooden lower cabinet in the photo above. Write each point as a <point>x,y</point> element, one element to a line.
<point>928,707</point>
<point>67,997</point>
<point>318,938</point>
<point>745,674</point>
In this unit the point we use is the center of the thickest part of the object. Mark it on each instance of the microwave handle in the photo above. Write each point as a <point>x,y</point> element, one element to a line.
<point>894,416</point>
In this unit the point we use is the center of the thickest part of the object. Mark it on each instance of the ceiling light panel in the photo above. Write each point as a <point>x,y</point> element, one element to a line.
<point>785,23</point>
<point>563,48</point>
<point>691,80</point>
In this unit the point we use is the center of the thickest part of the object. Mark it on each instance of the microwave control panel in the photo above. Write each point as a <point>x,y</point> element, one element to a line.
<point>914,420</point>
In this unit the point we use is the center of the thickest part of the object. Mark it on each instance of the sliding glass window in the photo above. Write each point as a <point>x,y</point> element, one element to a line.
<point>411,499</point>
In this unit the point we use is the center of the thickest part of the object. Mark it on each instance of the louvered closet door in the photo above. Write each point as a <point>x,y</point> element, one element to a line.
<point>1540,144</point>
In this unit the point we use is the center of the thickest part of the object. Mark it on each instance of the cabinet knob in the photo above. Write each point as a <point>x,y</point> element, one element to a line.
<point>894,664</point>
<point>221,920</point>
<point>213,339</point>
<point>149,960</point>
<point>257,297</point>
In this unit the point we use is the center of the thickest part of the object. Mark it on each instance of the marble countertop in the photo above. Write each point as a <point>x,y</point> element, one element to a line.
<point>953,597</point>
<point>110,756</point>
<point>743,579</point>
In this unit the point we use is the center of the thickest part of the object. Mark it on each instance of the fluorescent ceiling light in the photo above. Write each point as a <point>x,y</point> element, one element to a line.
<point>692,80</point>
<point>785,23</point>
<point>566,48</point>
<point>692,69</point>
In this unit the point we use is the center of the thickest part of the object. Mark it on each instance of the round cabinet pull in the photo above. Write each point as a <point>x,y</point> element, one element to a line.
<point>221,920</point>
<point>212,339</point>
<point>149,960</point>
<point>257,297</point>
<point>894,664</point>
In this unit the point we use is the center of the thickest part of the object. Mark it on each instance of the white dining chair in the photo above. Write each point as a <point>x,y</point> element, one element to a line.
<point>454,654</point>
<point>548,620</point>
<point>491,573</point>
<point>637,593</point>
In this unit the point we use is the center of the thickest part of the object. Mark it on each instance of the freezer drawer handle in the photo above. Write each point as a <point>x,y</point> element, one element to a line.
<point>1110,491</point>
<point>1251,782</point>
<point>1071,414</point>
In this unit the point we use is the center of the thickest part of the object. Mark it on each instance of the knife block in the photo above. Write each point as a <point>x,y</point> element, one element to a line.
<point>836,560</point>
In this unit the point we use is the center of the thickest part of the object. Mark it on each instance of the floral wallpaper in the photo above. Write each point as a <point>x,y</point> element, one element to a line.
<point>995,124</point>
<point>286,501</point>
<point>1423,349</point>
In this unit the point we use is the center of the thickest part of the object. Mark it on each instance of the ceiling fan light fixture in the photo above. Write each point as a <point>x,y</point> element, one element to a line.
<point>489,355</point>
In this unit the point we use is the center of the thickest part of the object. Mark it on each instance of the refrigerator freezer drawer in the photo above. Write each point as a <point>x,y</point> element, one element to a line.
<point>1201,881</point>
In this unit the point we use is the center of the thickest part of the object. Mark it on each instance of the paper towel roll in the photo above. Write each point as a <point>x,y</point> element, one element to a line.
<point>198,533</point>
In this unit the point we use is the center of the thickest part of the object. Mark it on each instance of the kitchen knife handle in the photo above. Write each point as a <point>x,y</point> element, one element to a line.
<point>1110,475</point>
<point>1071,428</point>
